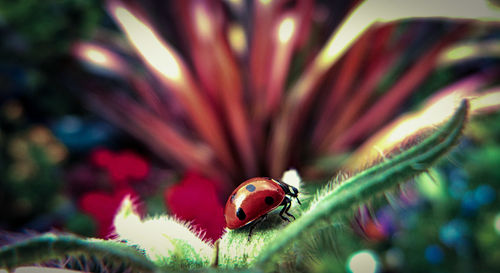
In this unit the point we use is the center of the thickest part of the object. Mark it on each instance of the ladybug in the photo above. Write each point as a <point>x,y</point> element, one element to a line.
<point>253,199</point>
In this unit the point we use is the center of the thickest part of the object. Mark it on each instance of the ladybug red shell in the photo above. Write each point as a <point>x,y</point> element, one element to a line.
<point>254,198</point>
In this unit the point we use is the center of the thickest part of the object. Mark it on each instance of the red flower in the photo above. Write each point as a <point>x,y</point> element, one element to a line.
<point>123,167</point>
<point>101,157</point>
<point>103,207</point>
<point>195,199</point>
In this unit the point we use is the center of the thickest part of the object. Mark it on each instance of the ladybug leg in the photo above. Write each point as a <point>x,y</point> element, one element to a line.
<point>254,224</point>
<point>286,210</point>
<point>289,214</point>
<point>287,203</point>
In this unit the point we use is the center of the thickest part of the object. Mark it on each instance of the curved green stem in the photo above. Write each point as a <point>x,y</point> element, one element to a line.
<point>51,246</point>
<point>371,182</point>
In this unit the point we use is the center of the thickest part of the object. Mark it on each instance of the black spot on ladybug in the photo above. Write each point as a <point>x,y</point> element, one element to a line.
<point>232,197</point>
<point>241,214</point>
<point>250,187</point>
<point>269,200</point>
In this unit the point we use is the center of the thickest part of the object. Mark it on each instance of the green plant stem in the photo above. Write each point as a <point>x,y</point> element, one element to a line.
<point>371,182</point>
<point>50,246</point>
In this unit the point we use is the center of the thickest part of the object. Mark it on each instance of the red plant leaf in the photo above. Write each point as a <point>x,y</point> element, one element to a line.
<point>195,199</point>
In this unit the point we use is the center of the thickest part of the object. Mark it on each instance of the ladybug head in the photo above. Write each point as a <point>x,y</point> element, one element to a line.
<point>288,189</point>
<point>294,192</point>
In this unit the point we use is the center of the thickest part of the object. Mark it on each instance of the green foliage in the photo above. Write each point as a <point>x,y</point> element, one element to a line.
<point>36,39</point>
<point>45,28</point>
<point>237,250</point>
<point>28,173</point>
<point>274,245</point>
<point>51,246</point>
<point>369,183</point>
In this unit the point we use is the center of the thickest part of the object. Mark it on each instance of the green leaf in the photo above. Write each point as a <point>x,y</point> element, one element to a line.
<point>166,241</point>
<point>51,246</point>
<point>363,186</point>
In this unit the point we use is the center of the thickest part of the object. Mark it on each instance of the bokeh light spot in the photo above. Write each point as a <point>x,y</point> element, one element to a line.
<point>56,152</point>
<point>453,232</point>
<point>364,261</point>
<point>459,52</point>
<point>71,124</point>
<point>147,42</point>
<point>484,194</point>
<point>434,254</point>
<point>40,135</point>
<point>496,223</point>
<point>13,109</point>
<point>394,257</point>
<point>96,56</point>
<point>286,29</point>
<point>237,39</point>
<point>18,148</point>
<point>431,185</point>
<point>469,203</point>
<point>203,21</point>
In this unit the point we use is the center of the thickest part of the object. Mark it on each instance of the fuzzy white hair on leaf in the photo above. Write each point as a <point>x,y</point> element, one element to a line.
<point>164,239</point>
<point>328,188</point>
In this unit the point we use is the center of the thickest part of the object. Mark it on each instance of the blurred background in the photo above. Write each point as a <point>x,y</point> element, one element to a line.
<point>87,117</point>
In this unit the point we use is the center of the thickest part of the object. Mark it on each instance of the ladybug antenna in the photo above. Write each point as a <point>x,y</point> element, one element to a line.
<point>296,197</point>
